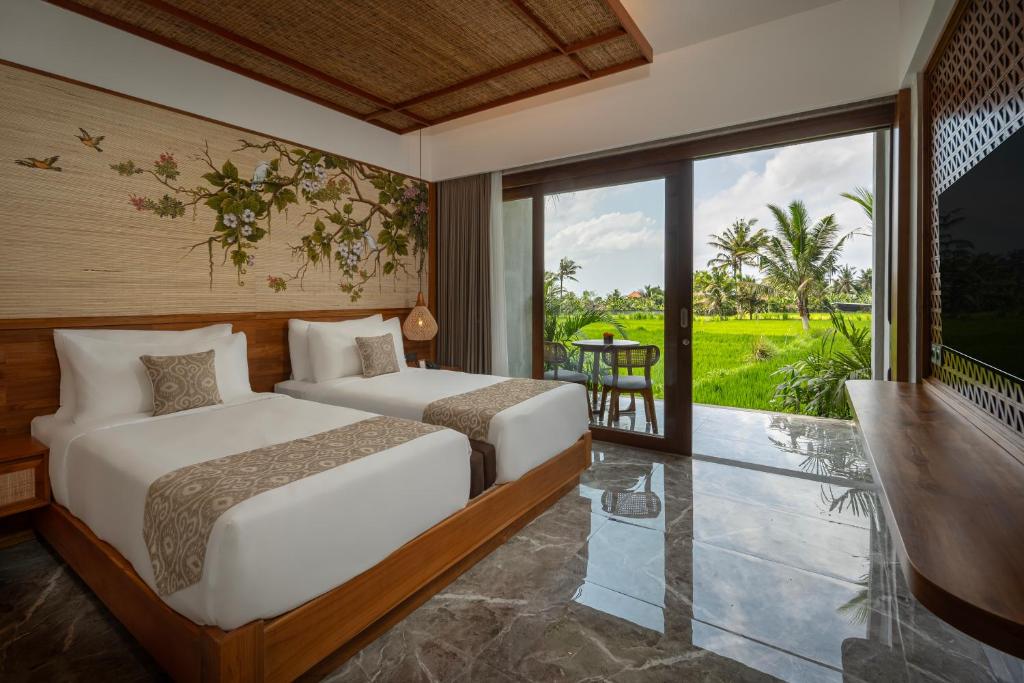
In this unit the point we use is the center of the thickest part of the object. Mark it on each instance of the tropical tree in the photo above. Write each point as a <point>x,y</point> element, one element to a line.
<point>738,245</point>
<point>800,253</point>
<point>864,280</point>
<point>655,297</point>
<point>567,269</point>
<point>715,290</point>
<point>751,296</point>
<point>845,281</point>
<point>865,199</point>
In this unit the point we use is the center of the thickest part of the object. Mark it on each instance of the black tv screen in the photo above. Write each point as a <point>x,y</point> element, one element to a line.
<point>981,252</point>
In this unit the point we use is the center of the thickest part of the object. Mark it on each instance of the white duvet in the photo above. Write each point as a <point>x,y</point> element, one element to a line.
<point>276,550</point>
<point>523,436</point>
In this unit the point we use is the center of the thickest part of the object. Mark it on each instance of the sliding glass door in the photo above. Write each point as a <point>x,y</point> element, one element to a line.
<point>610,297</point>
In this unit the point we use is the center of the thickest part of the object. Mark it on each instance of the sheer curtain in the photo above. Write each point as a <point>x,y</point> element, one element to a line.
<point>499,307</point>
<point>517,275</point>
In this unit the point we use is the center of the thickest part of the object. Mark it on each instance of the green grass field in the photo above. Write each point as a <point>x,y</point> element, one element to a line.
<point>726,371</point>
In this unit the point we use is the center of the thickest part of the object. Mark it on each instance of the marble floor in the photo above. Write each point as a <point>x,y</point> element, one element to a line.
<point>764,558</point>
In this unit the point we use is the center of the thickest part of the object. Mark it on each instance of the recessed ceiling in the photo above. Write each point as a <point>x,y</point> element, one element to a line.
<point>671,24</point>
<point>399,64</point>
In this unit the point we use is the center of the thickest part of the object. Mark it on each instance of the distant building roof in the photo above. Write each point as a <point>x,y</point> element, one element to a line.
<point>635,295</point>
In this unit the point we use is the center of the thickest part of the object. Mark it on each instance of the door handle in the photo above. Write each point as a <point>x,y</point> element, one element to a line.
<point>684,318</point>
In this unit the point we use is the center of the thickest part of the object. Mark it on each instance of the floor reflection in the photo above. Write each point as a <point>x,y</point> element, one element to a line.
<point>765,558</point>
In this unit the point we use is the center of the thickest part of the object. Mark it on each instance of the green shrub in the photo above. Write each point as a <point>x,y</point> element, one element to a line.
<point>816,384</point>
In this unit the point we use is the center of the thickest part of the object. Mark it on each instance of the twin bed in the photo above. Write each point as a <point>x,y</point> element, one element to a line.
<point>243,523</point>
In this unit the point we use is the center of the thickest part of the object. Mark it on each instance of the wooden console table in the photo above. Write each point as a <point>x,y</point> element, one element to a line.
<point>953,496</point>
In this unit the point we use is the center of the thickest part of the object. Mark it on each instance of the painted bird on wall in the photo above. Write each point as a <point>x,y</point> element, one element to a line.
<point>44,164</point>
<point>89,140</point>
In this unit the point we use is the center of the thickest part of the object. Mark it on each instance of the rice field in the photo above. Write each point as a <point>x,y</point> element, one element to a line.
<point>733,359</point>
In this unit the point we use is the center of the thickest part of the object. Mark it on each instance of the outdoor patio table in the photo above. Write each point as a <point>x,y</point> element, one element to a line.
<point>596,346</point>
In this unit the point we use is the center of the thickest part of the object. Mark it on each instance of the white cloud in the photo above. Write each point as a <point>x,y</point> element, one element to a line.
<point>814,172</point>
<point>604,234</point>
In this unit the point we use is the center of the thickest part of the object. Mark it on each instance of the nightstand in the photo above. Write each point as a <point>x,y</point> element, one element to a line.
<point>24,474</point>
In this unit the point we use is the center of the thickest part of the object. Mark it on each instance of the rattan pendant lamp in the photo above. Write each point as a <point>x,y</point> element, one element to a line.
<point>420,324</point>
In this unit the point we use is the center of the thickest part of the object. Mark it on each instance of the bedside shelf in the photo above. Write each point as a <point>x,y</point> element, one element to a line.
<point>24,475</point>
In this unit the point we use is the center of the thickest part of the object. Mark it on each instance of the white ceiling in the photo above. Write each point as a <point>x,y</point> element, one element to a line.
<point>671,24</point>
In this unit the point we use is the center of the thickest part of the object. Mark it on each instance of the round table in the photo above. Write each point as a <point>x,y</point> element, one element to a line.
<point>596,346</point>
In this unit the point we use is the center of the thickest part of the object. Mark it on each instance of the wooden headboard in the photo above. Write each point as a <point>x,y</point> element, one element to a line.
<point>30,376</point>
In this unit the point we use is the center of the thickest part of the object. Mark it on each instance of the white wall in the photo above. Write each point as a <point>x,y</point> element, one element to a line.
<point>843,52</point>
<point>37,34</point>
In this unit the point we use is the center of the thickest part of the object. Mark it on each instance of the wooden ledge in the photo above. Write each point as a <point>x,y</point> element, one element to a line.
<point>953,496</point>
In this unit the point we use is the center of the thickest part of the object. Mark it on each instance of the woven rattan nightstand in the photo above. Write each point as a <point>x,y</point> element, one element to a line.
<point>24,478</point>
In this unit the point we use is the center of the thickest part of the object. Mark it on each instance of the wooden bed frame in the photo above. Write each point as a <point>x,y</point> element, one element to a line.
<point>322,633</point>
<point>332,627</point>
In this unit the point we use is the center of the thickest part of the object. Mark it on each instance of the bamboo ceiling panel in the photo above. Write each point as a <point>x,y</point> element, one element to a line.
<point>399,64</point>
<point>114,206</point>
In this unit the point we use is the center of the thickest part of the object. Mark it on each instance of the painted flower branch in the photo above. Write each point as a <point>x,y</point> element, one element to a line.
<point>364,234</point>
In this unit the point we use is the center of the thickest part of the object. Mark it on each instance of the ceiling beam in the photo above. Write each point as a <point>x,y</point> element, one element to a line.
<point>252,45</point>
<point>571,48</point>
<point>616,8</point>
<point>95,15</point>
<point>545,30</point>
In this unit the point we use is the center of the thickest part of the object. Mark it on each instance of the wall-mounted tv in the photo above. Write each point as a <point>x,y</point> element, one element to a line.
<point>981,241</point>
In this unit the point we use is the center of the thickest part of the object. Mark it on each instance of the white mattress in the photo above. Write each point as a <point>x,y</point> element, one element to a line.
<point>276,550</point>
<point>523,436</point>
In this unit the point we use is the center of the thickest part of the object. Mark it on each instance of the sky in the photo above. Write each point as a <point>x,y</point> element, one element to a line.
<point>616,233</point>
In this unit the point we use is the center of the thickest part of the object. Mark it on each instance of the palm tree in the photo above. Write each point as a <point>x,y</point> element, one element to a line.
<point>864,280</point>
<point>751,296</point>
<point>845,281</point>
<point>799,254</point>
<point>567,269</point>
<point>864,198</point>
<point>655,296</point>
<point>715,290</point>
<point>738,245</point>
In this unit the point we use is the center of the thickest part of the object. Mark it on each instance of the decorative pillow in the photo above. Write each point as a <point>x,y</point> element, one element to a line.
<point>298,342</point>
<point>111,380</point>
<point>182,382</point>
<point>60,337</point>
<point>378,355</point>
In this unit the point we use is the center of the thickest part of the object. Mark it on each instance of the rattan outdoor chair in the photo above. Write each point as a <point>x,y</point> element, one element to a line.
<point>556,357</point>
<point>629,358</point>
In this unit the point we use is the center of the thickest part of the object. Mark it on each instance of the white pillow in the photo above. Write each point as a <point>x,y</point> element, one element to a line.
<point>110,379</point>
<point>298,343</point>
<point>67,381</point>
<point>332,348</point>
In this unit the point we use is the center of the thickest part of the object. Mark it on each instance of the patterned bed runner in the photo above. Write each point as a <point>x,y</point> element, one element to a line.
<point>471,412</point>
<point>182,506</point>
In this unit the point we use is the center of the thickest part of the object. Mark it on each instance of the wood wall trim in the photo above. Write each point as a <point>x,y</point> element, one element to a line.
<point>30,375</point>
<point>190,114</point>
<point>339,621</point>
<point>811,126</point>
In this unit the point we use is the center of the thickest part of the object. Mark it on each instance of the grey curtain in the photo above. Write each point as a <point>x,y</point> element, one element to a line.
<point>463,273</point>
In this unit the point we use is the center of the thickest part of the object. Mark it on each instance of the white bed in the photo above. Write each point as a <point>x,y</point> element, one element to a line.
<point>524,436</point>
<point>278,549</point>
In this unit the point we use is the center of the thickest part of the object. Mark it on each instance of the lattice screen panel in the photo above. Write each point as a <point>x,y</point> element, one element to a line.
<point>977,101</point>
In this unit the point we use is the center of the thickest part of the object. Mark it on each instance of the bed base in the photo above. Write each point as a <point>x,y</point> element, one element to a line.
<point>329,629</point>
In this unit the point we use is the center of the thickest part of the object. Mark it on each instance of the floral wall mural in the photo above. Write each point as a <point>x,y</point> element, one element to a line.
<point>155,211</point>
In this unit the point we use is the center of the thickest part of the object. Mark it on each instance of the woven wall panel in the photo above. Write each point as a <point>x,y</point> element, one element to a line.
<point>92,239</point>
<point>977,101</point>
